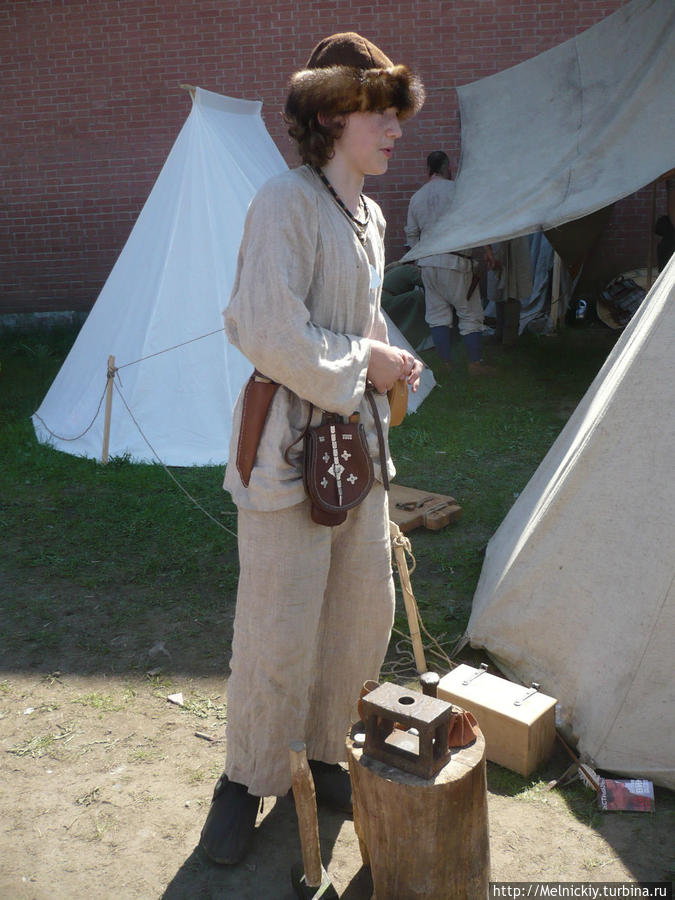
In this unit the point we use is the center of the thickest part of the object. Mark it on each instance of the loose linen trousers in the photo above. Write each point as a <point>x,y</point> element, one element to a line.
<point>445,289</point>
<point>315,607</point>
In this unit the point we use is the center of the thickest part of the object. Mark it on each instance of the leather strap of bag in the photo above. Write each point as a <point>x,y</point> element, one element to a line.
<point>380,437</point>
<point>302,434</point>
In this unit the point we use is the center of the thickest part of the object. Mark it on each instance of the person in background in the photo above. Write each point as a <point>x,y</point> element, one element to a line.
<point>315,604</point>
<point>449,286</point>
<point>509,281</point>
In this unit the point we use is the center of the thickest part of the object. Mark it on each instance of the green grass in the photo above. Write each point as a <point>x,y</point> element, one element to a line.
<point>94,556</point>
<point>100,702</point>
<point>91,551</point>
<point>89,522</point>
<point>45,744</point>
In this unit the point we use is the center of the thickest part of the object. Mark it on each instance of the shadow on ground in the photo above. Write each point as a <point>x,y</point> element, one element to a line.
<point>266,871</point>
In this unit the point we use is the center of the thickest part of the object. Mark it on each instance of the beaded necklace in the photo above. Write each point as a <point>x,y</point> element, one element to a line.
<point>359,227</point>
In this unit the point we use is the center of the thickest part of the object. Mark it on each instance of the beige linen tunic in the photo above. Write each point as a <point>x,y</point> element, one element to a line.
<point>315,605</point>
<point>446,276</point>
<point>306,298</point>
<point>425,207</point>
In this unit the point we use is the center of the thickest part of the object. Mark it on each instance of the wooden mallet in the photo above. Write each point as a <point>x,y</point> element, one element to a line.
<point>309,877</point>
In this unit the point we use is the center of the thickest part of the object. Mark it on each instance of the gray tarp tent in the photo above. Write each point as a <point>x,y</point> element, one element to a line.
<point>565,133</point>
<point>577,590</point>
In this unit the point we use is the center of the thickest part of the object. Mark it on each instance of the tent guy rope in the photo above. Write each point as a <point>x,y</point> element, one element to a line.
<point>168,471</point>
<point>60,437</point>
<point>110,373</point>
<point>174,347</point>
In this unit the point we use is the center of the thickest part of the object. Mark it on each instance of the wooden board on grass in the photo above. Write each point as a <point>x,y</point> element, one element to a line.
<point>411,508</point>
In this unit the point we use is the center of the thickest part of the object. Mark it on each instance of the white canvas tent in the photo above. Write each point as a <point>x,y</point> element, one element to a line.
<point>577,590</point>
<point>565,133</point>
<point>167,290</point>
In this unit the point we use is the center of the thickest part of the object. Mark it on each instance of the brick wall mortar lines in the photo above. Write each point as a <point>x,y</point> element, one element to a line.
<point>92,106</point>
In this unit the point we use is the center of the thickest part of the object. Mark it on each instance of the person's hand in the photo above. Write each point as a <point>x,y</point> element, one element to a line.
<point>415,373</point>
<point>388,364</point>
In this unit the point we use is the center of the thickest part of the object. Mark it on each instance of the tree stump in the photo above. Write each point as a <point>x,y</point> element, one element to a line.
<point>423,839</point>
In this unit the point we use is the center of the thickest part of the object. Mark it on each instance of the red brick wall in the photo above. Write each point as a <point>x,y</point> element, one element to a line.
<point>91,106</point>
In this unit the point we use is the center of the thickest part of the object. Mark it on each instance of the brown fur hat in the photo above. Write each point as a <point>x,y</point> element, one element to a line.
<point>347,73</point>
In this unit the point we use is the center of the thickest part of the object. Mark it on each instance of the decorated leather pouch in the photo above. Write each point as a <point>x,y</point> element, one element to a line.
<point>337,469</point>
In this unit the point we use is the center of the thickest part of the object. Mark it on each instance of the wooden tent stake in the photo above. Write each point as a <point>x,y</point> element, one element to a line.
<point>108,408</point>
<point>408,597</point>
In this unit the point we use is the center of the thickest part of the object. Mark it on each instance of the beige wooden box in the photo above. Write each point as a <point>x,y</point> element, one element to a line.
<point>518,736</point>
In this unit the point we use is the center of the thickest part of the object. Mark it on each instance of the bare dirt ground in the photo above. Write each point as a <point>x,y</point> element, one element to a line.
<point>106,785</point>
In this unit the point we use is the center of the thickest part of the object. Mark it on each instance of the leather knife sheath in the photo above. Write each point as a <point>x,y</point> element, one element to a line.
<point>258,395</point>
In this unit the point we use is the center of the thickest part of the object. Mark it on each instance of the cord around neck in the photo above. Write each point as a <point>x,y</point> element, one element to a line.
<point>360,227</point>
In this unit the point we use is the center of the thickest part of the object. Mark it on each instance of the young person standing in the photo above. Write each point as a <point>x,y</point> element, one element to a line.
<point>315,604</point>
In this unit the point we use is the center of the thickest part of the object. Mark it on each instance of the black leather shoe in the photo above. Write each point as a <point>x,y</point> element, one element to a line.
<point>230,824</point>
<point>333,786</point>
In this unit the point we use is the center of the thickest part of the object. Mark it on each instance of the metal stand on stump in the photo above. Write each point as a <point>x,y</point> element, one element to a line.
<point>421,836</point>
